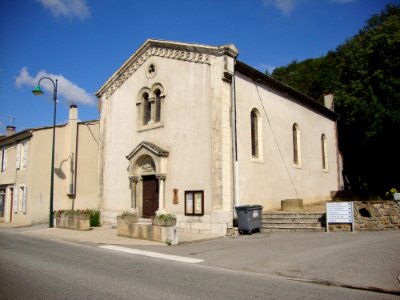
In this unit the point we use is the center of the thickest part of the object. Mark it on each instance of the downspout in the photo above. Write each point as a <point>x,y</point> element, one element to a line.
<point>329,102</point>
<point>236,191</point>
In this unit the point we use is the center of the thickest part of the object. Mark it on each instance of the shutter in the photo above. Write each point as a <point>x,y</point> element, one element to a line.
<point>18,160</point>
<point>5,159</point>
<point>24,192</point>
<point>15,200</point>
<point>25,155</point>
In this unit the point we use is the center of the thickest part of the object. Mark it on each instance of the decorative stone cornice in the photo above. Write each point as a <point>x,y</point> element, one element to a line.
<point>150,147</point>
<point>181,51</point>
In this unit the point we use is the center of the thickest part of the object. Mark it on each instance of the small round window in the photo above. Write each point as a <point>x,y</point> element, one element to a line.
<point>151,70</point>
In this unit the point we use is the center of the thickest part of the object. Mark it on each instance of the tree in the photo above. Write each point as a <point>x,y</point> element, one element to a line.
<point>364,73</point>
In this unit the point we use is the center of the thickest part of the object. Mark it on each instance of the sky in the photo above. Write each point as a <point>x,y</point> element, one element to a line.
<point>81,43</point>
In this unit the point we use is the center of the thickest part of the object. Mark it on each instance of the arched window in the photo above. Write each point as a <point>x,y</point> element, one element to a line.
<point>150,107</point>
<point>324,152</point>
<point>146,109</point>
<point>157,93</point>
<point>254,133</point>
<point>296,145</point>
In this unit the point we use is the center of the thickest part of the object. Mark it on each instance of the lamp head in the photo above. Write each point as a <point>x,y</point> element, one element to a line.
<point>38,91</point>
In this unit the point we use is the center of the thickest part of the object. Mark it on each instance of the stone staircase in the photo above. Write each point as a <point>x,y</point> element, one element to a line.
<point>293,221</point>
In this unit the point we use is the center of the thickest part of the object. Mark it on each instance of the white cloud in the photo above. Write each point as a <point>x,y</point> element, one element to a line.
<point>67,8</point>
<point>285,6</point>
<point>66,89</point>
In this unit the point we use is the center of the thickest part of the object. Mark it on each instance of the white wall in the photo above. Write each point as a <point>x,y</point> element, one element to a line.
<point>186,132</point>
<point>276,178</point>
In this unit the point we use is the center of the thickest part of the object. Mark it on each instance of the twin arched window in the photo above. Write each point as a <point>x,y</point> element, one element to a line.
<point>150,106</point>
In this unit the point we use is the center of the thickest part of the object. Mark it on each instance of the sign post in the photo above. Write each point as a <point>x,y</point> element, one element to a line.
<point>339,212</point>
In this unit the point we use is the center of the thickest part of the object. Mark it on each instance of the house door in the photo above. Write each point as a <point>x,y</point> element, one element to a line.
<point>150,196</point>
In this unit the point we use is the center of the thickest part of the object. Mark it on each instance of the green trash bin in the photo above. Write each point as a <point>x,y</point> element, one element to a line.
<point>249,218</point>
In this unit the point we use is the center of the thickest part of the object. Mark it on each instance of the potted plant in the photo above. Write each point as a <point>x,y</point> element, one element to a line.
<point>128,216</point>
<point>393,194</point>
<point>164,220</point>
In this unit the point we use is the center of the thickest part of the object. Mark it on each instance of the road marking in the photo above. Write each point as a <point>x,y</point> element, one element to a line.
<point>153,254</point>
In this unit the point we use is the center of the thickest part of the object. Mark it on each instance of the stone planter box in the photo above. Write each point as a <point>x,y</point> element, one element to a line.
<point>127,227</point>
<point>163,222</point>
<point>76,222</point>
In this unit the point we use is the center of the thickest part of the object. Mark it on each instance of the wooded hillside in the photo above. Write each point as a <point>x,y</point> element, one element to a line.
<point>364,74</point>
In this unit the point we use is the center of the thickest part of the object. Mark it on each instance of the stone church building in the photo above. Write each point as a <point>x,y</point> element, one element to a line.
<point>188,129</point>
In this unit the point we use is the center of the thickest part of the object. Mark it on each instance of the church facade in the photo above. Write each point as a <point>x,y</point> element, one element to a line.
<point>188,129</point>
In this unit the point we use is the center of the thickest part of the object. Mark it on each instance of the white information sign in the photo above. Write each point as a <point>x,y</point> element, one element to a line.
<point>339,212</point>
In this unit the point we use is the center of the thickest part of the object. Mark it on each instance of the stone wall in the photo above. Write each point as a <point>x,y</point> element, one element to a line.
<point>73,222</point>
<point>375,215</point>
<point>147,231</point>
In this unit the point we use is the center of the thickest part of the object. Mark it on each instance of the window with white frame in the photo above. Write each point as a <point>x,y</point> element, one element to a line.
<point>324,153</point>
<point>150,105</point>
<point>22,193</point>
<point>15,199</point>
<point>19,198</point>
<point>22,155</point>
<point>296,145</point>
<point>3,160</point>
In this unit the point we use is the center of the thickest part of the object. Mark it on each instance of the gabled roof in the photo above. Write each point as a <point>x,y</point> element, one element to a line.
<point>285,90</point>
<point>197,53</point>
<point>200,53</point>
<point>150,147</point>
<point>27,133</point>
<point>16,137</point>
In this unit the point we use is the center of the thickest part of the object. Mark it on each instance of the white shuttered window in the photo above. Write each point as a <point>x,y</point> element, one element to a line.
<point>3,159</point>
<point>15,199</point>
<point>18,159</point>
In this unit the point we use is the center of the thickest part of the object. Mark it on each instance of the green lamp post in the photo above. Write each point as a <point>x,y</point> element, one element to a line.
<point>37,92</point>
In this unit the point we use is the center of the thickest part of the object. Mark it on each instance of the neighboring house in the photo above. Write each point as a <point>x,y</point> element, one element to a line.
<point>189,129</point>
<point>25,161</point>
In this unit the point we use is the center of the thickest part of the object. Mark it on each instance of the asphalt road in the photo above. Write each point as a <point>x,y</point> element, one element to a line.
<point>32,268</point>
<point>368,260</point>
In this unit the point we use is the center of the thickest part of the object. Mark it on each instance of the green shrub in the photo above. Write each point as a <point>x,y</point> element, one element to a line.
<point>94,217</point>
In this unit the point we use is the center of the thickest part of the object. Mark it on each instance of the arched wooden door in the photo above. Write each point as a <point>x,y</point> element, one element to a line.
<point>150,196</point>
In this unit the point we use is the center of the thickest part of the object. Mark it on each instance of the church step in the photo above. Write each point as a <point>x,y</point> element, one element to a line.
<point>298,215</point>
<point>292,229</point>
<point>293,221</point>
<point>292,225</point>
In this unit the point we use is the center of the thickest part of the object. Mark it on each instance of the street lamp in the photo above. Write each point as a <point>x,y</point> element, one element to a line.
<point>37,92</point>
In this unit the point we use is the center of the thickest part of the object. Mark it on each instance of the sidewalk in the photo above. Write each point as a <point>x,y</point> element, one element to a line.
<point>97,235</point>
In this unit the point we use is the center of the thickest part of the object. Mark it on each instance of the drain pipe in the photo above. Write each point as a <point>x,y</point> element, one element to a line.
<point>236,191</point>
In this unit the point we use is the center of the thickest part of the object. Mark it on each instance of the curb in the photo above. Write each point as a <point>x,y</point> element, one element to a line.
<point>344,285</point>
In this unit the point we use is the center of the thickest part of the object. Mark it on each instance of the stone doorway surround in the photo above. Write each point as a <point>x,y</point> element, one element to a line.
<point>147,159</point>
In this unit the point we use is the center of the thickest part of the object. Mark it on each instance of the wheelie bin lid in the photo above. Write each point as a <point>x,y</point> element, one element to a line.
<point>248,207</point>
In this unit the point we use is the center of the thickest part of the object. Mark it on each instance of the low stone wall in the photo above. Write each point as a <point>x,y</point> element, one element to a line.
<point>73,222</point>
<point>147,231</point>
<point>377,215</point>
